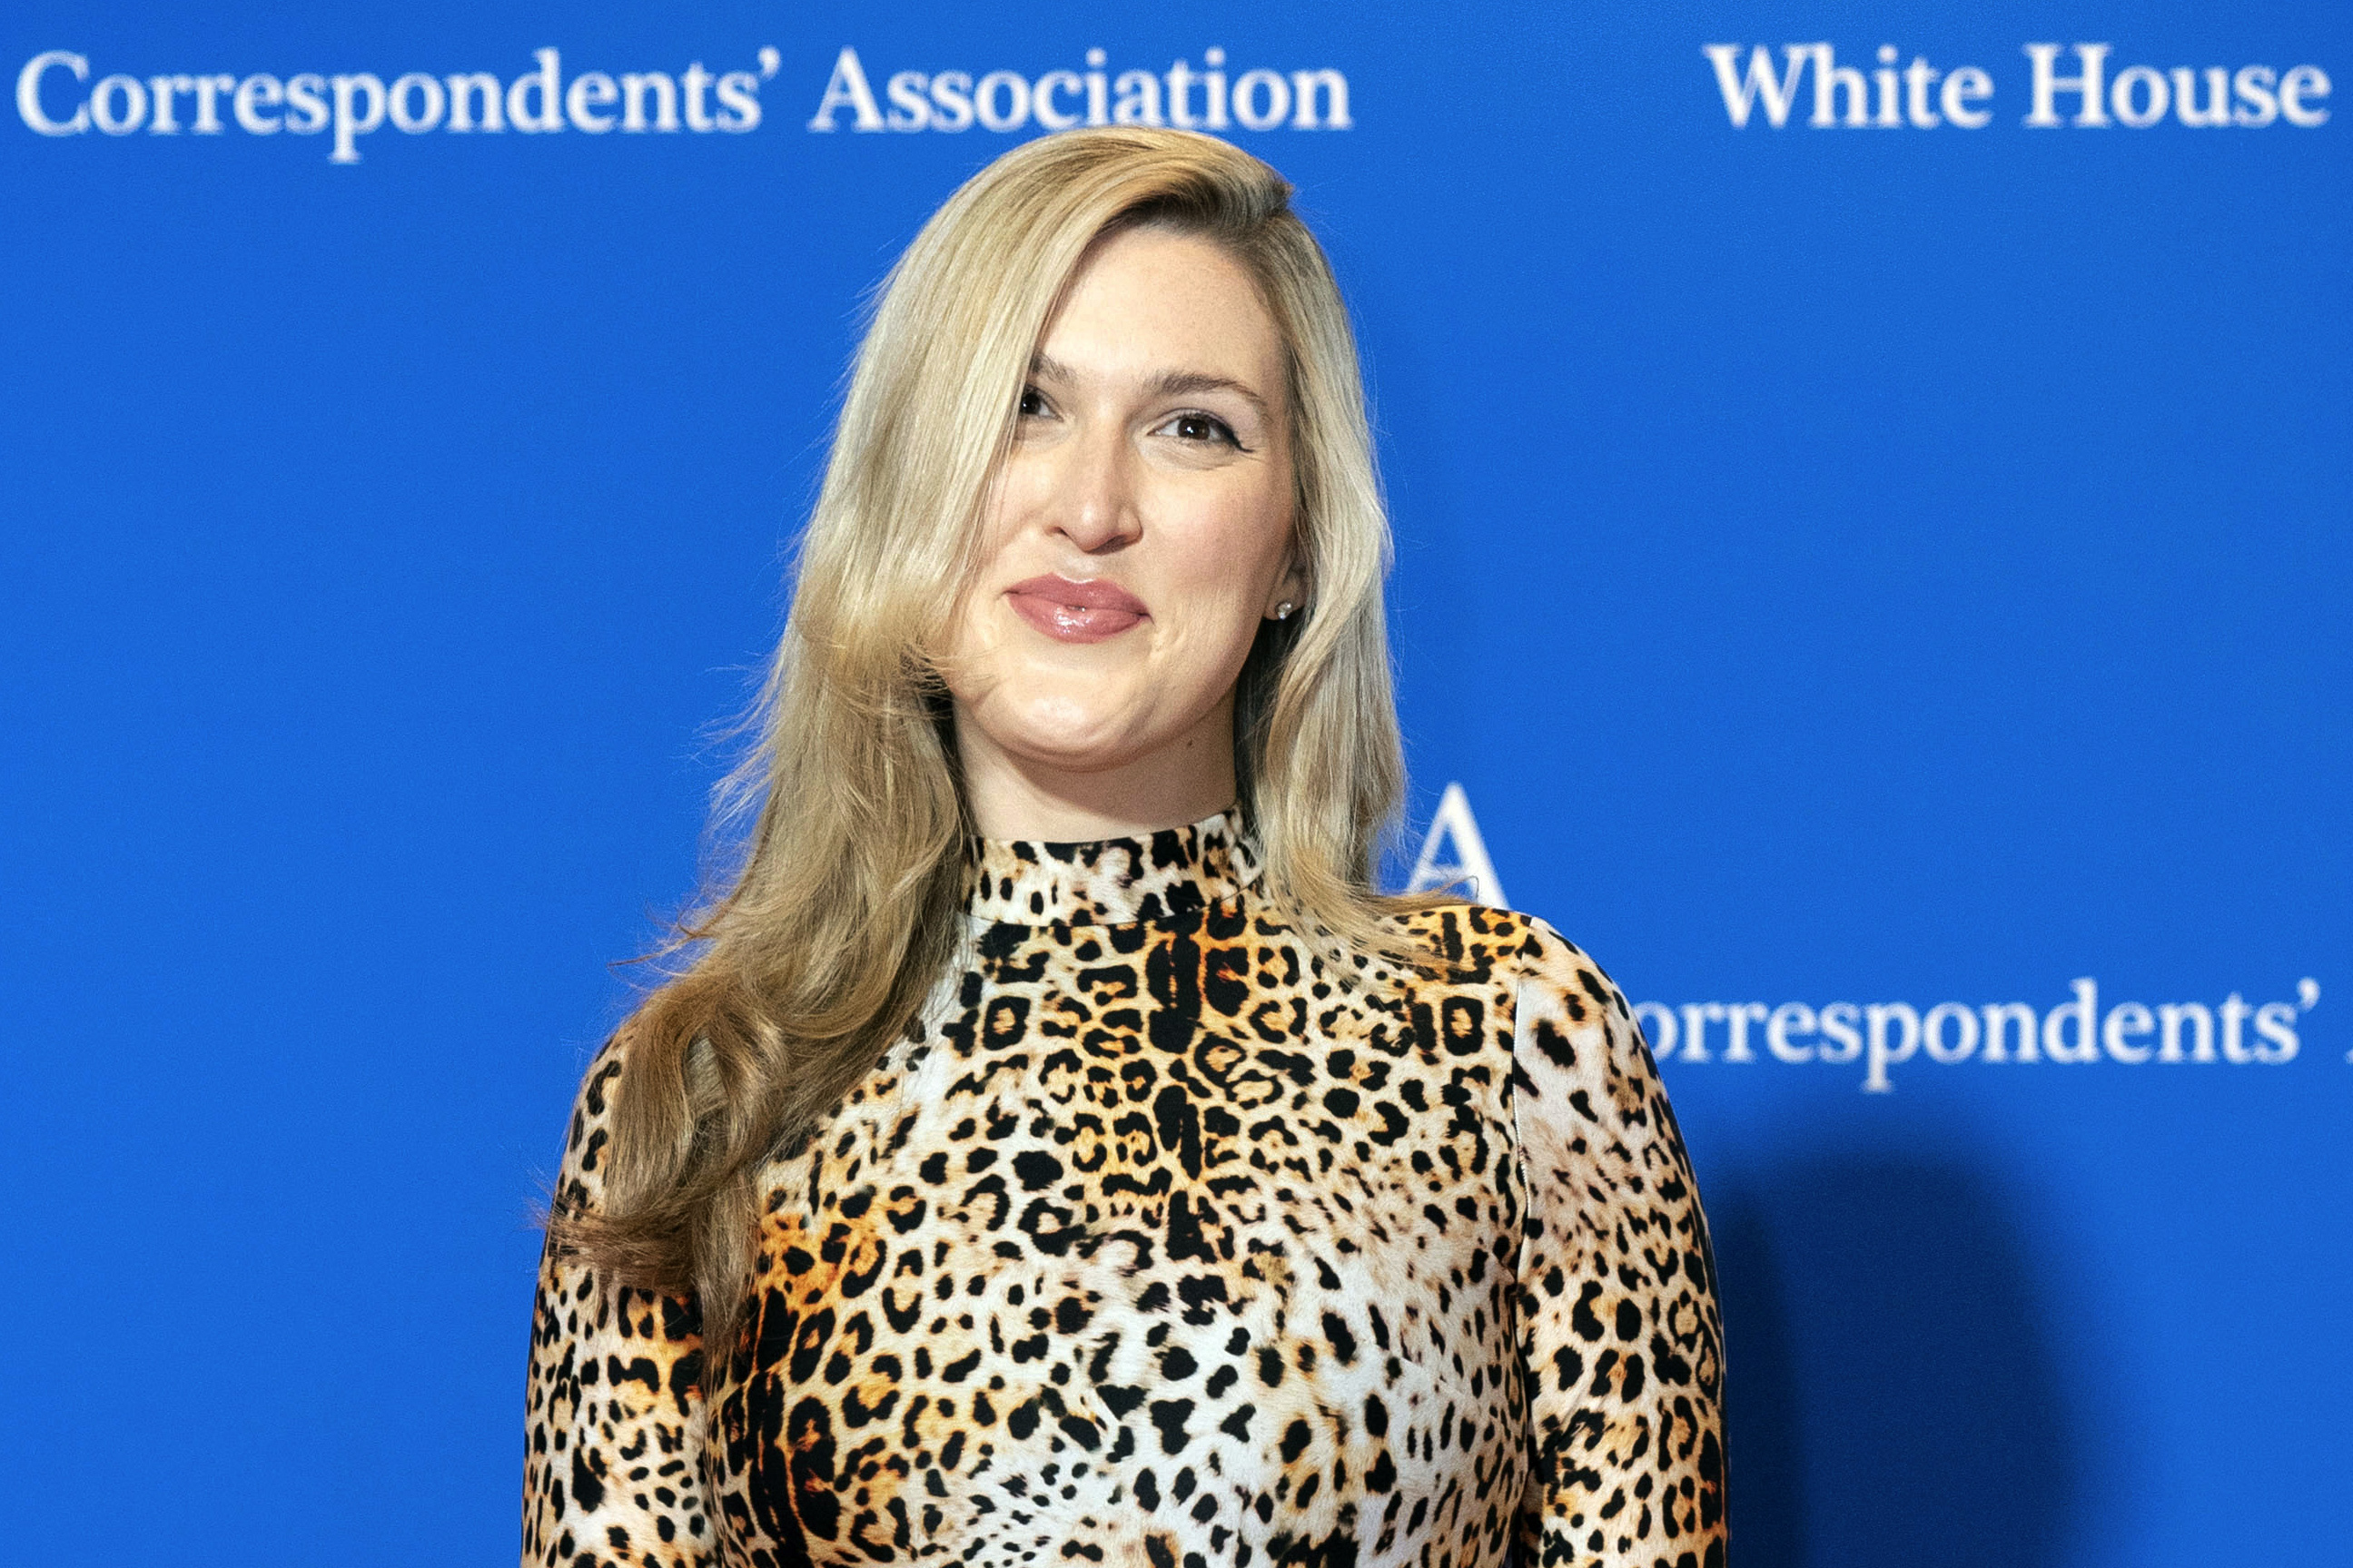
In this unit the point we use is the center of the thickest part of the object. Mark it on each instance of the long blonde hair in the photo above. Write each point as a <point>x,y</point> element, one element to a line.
<point>845,905</point>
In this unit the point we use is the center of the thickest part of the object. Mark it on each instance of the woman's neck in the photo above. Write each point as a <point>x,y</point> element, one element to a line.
<point>1012,796</point>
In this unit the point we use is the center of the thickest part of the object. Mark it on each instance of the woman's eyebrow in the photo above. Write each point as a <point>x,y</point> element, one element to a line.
<point>1167,384</point>
<point>1184,383</point>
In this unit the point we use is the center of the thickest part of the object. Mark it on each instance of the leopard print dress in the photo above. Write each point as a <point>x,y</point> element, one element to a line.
<point>1152,1244</point>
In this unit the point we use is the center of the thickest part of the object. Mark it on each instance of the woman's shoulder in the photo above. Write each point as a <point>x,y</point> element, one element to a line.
<point>1542,999</point>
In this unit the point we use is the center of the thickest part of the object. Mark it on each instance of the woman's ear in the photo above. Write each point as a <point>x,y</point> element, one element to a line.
<point>1289,595</point>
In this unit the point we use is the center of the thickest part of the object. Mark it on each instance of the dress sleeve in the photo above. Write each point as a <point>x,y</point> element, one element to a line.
<point>1620,1341</point>
<point>613,1466</point>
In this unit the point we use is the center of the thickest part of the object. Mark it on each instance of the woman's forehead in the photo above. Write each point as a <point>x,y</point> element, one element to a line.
<point>1150,304</point>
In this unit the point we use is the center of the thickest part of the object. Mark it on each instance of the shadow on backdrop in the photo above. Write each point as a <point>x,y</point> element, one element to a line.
<point>1891,1394</point>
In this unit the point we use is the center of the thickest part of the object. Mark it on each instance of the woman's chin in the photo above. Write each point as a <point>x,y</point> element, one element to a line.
<point>1068,737</point>
<point>1064,752</point>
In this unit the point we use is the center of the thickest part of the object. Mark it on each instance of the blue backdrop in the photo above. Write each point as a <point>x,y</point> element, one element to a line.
<point>1892,564</point>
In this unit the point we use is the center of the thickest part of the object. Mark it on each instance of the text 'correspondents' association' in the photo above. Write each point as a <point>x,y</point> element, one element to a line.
<point>61,93</point>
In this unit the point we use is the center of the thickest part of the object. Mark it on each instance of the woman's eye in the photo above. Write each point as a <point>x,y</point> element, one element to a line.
<point>1033,403</point>
<point>1205,427</point>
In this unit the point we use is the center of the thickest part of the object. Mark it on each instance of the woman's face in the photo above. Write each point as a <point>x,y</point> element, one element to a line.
<point>1138,533</point>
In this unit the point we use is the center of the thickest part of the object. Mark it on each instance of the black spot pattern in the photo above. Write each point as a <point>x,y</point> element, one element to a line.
<point>1152,1244</point>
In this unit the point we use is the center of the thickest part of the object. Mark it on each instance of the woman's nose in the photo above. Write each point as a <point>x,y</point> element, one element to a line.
<point>1094,504</point>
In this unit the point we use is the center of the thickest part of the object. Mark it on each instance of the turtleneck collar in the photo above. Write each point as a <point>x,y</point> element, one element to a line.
<point>1113,882</point>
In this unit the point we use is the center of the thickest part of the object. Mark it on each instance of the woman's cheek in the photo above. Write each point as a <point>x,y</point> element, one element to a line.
<point>1244,532</point>
<point>971,653</point>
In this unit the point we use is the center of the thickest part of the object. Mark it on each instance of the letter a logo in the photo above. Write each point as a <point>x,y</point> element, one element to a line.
<point>1454,827</point>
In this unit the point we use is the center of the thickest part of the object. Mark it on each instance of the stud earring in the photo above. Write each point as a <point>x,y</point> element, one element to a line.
<point>1283,611</point>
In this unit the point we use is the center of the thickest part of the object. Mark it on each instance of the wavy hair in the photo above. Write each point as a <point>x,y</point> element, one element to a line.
<point>843,907</point>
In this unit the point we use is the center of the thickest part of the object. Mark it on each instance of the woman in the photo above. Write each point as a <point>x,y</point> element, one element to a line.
<point>1056,1152</point>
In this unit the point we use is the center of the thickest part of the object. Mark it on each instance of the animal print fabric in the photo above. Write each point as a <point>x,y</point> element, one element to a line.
<point>1152,1244</point>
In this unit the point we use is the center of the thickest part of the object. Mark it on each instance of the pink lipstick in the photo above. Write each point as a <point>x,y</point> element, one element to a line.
<point>1076,612</point>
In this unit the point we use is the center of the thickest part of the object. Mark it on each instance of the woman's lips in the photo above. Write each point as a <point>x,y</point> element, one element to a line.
<point>1076,612</point>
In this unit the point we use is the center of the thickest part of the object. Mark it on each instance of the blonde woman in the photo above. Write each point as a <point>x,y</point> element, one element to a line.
<point>1055,1151</point>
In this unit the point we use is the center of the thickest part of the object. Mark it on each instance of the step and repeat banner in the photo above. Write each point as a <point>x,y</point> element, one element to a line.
<point>1873,489</point>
